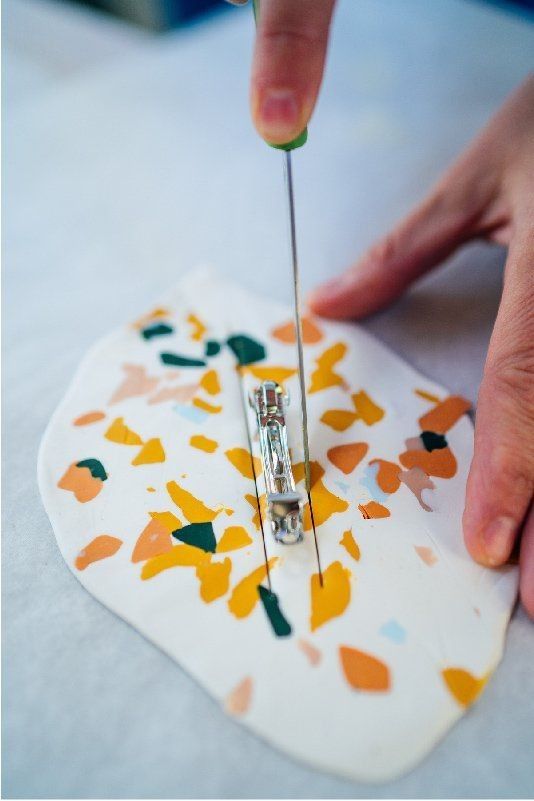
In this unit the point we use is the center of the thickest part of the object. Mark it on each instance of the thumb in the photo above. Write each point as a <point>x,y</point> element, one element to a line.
<point>289,57</point>
<point>501,481</point>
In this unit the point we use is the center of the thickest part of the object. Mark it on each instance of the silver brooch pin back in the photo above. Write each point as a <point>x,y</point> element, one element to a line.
<point>284,504</point>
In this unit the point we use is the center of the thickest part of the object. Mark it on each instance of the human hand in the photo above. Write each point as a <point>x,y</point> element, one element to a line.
<point>487,193</point>
<point>289,55</point>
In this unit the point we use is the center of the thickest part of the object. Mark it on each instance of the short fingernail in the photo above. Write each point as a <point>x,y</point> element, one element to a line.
<point>498,538</point>
<point>279,112</point>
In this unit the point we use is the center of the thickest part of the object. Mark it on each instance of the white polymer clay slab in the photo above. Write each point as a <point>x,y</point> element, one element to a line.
<point>378,664</point>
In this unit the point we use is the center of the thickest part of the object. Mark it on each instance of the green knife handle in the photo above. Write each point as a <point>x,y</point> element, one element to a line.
<point>301,139</point>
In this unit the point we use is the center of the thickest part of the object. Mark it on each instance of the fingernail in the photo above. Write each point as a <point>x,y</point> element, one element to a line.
<point>498,538</point>
<point>279,112</point>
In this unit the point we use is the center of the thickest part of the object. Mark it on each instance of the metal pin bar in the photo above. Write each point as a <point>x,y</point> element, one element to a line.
<point>242,394</point>
<point>284,503</point>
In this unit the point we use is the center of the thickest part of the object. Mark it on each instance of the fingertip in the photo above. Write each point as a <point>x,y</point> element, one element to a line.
<point>491,543</point>
<point>360,291</point>
<point>473,544</point>
<point>527,598</point>
<point>330,299</point>
<point>287,66</point>
<point>498,538</point>
<point>526,562</point>
<point>277,114</point>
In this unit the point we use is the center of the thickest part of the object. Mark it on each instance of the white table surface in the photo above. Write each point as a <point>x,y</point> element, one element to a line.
<point>117,181</point>
<point>47,43</point>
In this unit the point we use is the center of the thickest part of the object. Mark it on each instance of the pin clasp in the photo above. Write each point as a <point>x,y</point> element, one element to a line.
<point>284,503</point>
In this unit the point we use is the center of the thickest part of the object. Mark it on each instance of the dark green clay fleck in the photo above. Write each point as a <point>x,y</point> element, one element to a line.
<point>433,441</point>
<point>157,330</point>
<point>200,535</point>
<point>175,360</point>
<point>246,349</point>
<point>96,468</point>
<point>280,625</point>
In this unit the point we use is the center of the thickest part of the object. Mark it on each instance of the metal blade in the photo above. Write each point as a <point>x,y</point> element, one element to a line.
<point>298,329</point>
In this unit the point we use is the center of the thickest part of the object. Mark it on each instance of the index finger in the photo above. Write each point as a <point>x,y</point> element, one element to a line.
<point>289,56</point>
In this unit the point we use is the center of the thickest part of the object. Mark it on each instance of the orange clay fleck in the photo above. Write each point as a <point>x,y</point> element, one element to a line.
<point>325,503</point>
<point>154,540</point>
<point>444,415</point>
<point>238,701</point>
<point>88,418</point>
<point>364,671</point>
<point>463,685</point>
<point>214,579</point>
<point>339,419</point>
<point>80,481</point>
<point>119,433</point>
<point>332,598</point>
<point>245,594</point>
<point>203,443</point>
<point>347,457</point>
<point>278,374</point>
<point>373,510</point>
<point>194,510</point>
<point>422,393</point>
<point>234,537</point>
<point>240,459</point>
<point>182,555</point>
<point>350,545</point>
<point>210,382</point>
<point>198,329</point>
<point>206,407</point>
<point>388,475</point>
<point>366,409</point>
<point>311,333</point>
<point>324,376</point>
<point>99,548</point>
<point>152,452</point>
<point>439,463</point>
